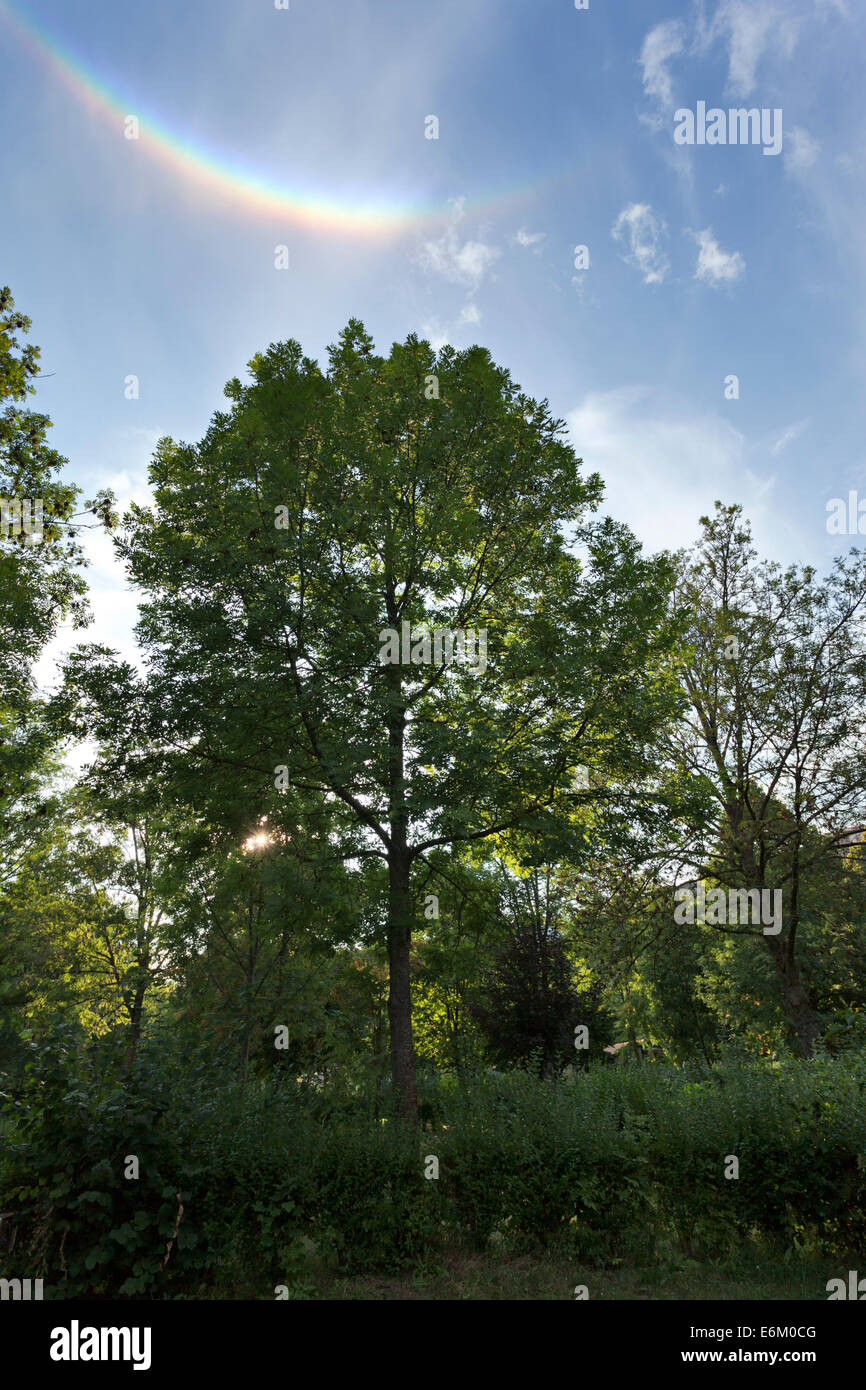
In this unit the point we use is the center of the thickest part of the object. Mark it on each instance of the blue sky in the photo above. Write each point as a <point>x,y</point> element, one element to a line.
<point>555,131</point>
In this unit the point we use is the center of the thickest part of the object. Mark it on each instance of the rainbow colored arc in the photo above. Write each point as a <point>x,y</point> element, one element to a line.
<point>222,176</point>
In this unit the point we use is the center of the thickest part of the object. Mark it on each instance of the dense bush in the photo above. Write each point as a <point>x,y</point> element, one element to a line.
<point>235,1189</point>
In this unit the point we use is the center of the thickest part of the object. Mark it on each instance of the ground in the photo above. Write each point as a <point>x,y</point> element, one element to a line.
<point>460,1275</point>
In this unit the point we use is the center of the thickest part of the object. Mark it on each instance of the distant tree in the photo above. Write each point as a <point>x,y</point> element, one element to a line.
<point>534,997</point>
<point>219,886</point>
<point>775,673</point>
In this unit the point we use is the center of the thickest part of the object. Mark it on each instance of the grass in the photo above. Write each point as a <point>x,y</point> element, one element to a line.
<point>459,1275</point>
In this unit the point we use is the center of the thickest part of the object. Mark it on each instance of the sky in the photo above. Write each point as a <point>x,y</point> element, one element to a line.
<point>503,172</point>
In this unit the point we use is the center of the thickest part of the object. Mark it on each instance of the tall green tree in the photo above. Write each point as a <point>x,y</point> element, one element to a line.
<point>329,508</point>
<point>775,674</point>
<point>40,583</point>
<point>40,579</point>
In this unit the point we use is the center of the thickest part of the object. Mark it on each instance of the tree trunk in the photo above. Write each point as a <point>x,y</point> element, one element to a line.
<point>400,913</point>
<point>781,948</point>
<point>135,1014</point>
<point>800,1011</point>
<point>399,984</point>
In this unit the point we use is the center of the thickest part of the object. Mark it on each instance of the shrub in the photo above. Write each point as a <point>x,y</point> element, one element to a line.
<point>233,1187</point>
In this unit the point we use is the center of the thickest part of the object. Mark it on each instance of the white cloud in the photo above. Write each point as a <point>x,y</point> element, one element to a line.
<point>644,231</point>
<point>440,334</point>
<point>662,471</point>
<point>462,262</point>
<point>788,436</point>
<point>525,238</point>
<point>750,29</point>
<point>715,266</point>
<point>436,334</point>
<point>665,41</point>
<point>801,150</point>
<point>653,120</point>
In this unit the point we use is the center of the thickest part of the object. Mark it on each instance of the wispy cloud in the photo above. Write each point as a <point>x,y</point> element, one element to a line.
<point>801,150</point>
<point>664,469</point>
<point>436,334</point>
<point>439,334</point>
<point>525,238</point>
<point>463,262</point>
<point>750,31</point>
<point>638,227</point>
<point>788,436</point>
<point>662,43</point>
<point>715,266</point>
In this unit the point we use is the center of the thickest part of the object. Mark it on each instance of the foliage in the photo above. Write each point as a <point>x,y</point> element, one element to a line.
<point>236,1185</point>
